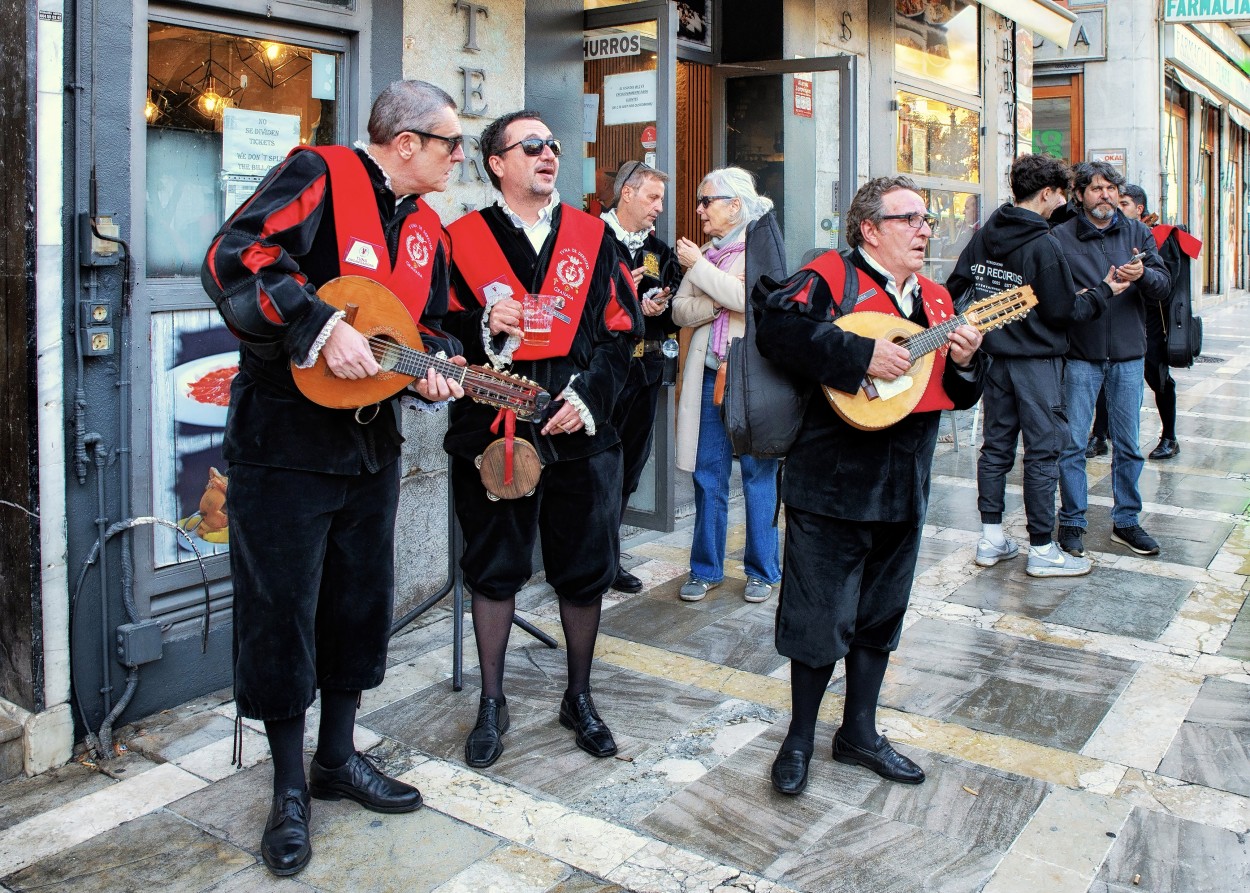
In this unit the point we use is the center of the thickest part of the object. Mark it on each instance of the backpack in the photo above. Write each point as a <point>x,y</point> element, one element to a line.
<point>1181,328</point>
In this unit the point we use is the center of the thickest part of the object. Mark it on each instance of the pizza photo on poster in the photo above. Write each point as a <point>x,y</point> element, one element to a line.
<point>694,23</point>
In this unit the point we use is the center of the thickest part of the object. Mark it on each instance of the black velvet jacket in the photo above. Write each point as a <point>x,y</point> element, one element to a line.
<point>274,309</point>
<point>835,469</point>
<point>599,356</point>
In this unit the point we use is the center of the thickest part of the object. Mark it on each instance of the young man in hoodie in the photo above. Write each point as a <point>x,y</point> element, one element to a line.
<point>1024,386</point>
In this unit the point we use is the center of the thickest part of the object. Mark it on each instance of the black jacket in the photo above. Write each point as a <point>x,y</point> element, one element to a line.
<point>835,469</point>
<point>655,327</point>
<point>1120,333</point>
<point>1015,248</point>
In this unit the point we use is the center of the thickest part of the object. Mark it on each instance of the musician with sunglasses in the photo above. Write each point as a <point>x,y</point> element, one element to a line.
<point>856,499</point>
<point>638,201</point>
<point>529,242</point>
<point>313,492</point>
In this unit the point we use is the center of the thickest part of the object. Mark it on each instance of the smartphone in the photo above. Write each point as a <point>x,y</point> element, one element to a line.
<point>1136,257</point>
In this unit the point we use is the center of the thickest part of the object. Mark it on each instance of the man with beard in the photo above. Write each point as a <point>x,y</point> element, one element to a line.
<point>531,243</point>
<point>656,274</point>
<point>1107,353</point>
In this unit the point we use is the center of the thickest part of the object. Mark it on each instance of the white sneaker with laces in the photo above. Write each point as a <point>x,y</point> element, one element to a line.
<point>1054,562</point>
<point>989,554</point>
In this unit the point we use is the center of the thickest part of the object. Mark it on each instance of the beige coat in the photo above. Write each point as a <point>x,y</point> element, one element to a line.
<point>703,291</point>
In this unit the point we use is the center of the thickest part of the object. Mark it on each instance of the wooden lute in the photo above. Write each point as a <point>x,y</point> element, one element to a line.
<point>878,404</point>
<point>382,318</point>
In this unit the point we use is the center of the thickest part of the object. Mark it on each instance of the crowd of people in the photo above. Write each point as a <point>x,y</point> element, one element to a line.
<point>313,601</point>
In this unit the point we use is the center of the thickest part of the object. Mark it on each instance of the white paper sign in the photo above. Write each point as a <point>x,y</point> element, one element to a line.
<point>590,116</point>
<point>253,142</point>
<point>629,98</point>
<point>238,189</point>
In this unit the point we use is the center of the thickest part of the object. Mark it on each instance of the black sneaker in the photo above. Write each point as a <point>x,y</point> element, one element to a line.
<point>1097,446</point>
<point>1070,540</point>
<point>1136,539</point>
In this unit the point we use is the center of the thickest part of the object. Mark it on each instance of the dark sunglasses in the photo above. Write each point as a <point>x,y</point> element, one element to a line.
<point>533,146</point>
<point>453,142</point>
<point>915,219</point>
<point>704,201</point>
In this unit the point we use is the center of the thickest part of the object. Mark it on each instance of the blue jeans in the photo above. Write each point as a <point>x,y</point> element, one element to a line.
<point>1123,382</point>
<point>712,464</point>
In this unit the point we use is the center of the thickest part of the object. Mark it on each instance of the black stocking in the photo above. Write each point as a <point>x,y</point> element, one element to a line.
<point>807,689</point>
<point>865,671</point>
<point>335,739</point>
<point>492,622</point>
<point>581,628</point>
<point>286,744</point>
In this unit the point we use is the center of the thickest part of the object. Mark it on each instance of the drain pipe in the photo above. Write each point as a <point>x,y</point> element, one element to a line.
<point>95,441</point>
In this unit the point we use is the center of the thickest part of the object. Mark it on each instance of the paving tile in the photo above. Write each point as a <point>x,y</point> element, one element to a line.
<point>24,798</point>
<point>580,882</point>
<point>1160,485</point>
<point>1182,540</point>
<point>661,618</point>
<point>932,552</point>
<point>258,879</point>
<point>160,851</point>
<point>509,869</point>
<point>1073,830</point>
<point>1022,874</point>
<point>1237,643</point>
<point>1166,854</point>
<point>1212,747</point>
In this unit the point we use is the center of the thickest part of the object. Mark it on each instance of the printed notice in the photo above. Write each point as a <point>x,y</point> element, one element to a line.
<point>629,98</point>
<point>253,142</point>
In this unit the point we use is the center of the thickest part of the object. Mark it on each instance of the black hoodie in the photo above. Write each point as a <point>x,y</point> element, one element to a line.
<point>1015,248</point>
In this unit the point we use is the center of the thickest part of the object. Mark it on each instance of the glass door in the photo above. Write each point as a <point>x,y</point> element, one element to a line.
<point>792,124</point>
<point>629,85</point>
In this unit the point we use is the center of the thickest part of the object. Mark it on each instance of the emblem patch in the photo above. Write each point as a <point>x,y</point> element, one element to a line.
<point>417,245</point>
<point>572,268</point>
<point>362,254</point>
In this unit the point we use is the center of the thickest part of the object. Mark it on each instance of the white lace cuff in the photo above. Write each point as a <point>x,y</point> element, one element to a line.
<point>497,293</point>
<point>650,293</point>
<point>315,350</point>
<point>571,396</point>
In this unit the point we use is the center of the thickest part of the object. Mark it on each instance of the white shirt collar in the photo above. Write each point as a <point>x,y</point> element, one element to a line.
<point>904,295</point>
<point>537,231</point>
<point>632,241</point>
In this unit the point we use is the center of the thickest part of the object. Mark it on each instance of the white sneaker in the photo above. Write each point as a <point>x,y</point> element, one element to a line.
<point>757,591</point>
<point>1057,563</point>
<point>989,554</point>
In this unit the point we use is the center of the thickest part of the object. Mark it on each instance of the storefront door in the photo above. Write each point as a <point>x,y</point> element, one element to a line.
<point>792,124</point>
<point>629,114</point>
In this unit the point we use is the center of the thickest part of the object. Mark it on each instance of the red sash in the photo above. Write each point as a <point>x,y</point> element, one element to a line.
<point>1189,244</point>
<point>935,299</point>
<point>362,243</point>
<point>481,262</point>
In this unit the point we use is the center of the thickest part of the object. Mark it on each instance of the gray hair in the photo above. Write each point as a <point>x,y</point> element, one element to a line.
<point>869,204</point>
<point>1083,174</point>
<point>740,184</point>
<point>406,105</point>
<point>633,174</point>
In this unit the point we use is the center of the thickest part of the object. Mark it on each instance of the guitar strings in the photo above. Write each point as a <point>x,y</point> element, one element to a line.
<point>413,362</point>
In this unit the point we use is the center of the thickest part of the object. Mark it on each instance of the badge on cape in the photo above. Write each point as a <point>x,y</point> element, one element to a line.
<point>651,263</point>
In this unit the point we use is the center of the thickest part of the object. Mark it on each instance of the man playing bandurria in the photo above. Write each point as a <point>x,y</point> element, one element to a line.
<point>856,500</point>
<point>530,242</point>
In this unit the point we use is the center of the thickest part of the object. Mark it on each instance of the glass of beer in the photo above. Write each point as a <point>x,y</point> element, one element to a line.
<point>536,313</point>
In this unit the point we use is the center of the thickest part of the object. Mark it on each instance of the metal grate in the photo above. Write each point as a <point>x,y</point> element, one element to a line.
<point>1211,360</point>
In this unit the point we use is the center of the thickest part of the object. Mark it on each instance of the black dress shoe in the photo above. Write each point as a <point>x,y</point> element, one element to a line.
<point>284,846</point>
<point>593,736</point>
<point>484,744</point>
<point>883,759</point>
<point>360,780</point>
<point>626,582</point>
<point>1167,448</point>
<point>1097,446</point>
<point>790,771</point>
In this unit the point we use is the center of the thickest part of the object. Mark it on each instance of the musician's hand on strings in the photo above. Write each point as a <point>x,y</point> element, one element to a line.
<point>565,421</point>
<point>347,353</point>
<point>889,360</point>
<point>964,342</point>
<point>436,387</point>
<point>505,316</point>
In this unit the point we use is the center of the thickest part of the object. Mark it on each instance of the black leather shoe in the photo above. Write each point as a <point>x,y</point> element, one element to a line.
<point>626,582</point>
<point>790,771</point>
<point>1097,446</point>
<point>884,759</point>
<point>484,744</point>
<point>1167,448</point>
<point>360,780</point>
<point>284,846</point>
<point>593,736</point>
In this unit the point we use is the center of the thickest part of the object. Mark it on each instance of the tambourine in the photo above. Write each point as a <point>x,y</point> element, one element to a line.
<point>527,468</point>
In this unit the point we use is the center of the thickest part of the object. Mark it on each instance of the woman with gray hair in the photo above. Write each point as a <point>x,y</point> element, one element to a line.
<point>745,244</point>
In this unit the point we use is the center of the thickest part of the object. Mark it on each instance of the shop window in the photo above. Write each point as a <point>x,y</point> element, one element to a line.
<point>221,110</point>
<point>1058,120</point>
<point>937,40</point>
<point>959,216</point>
<point>936,139</point>
<point>1175,162</point>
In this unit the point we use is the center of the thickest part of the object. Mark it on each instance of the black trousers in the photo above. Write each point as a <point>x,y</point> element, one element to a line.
<point>1023,398</point>
<point>313,561</point>
<point>576,509</point>
<point>844,583</point>
<point>634,419</point>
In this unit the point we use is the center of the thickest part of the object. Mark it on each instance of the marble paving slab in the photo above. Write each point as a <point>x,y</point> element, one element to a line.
<point>25,798</point>
<point>1166,854</point>
<point>1237,643</point>
<point>1182,540</point>
<point>1212,747</point>
<point>1169,488</point>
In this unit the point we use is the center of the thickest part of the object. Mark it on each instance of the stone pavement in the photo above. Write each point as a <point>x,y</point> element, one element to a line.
<point>1083,734</point>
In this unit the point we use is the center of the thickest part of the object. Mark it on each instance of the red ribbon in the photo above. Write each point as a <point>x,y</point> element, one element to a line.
<point>509,437</point>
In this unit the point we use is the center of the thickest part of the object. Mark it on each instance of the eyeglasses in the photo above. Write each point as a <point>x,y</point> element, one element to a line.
<point>915,219</point>
<point>704,201</point>
<point>533,146</point>
<point>453,142</point>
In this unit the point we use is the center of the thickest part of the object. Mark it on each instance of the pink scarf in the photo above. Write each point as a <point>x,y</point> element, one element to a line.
<point>723,257</point>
